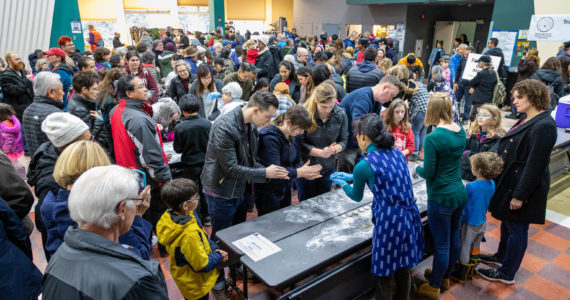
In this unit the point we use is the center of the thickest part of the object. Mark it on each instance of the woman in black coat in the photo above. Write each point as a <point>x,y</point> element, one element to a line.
<point>180,85</point>
<point>522,188</point>
<point>287,75</point>
<point>482,85</point>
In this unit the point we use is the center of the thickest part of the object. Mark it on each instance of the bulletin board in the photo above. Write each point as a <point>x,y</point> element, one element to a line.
<point>507,43</point>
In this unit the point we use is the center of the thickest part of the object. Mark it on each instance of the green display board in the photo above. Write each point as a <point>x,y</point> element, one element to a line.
<point>67,21</point>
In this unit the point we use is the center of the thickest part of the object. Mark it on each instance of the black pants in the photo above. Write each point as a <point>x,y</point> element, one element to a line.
<point>403,278</point>
<point>193,173</point>
<point>157,207</point>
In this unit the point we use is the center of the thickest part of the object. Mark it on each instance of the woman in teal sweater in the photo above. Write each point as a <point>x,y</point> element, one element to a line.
<point>446,194</point>
<point>397,243</point>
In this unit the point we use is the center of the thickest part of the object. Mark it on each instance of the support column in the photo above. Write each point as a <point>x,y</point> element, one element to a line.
<point>217,14</point>
<point>121,25</point>
<point>64,12</point>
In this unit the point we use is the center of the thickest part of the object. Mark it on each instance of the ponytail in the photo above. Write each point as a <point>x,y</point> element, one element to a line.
<point>372,126</point>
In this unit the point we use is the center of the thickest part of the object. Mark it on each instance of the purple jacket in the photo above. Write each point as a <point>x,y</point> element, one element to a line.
<point>11,137</point>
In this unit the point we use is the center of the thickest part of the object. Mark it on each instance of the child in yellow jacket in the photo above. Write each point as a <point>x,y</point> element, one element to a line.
<point>193,257</point>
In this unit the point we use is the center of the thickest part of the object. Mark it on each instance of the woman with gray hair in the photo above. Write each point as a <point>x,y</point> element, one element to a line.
<point>180,85</point>
<point>231,94</point>
<point>165,113</point>
<point>91,262</point>
<point>440,85</point>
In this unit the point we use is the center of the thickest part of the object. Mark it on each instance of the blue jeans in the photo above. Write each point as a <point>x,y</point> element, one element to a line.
<point>419,130</point>
<point>307,189</point>
<point>222,213</point>
<point>444,223</point>
<point>514,240</point>
<point>463,90</point>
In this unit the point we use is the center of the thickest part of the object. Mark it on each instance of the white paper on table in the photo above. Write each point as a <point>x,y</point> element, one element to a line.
<point>256,246</point>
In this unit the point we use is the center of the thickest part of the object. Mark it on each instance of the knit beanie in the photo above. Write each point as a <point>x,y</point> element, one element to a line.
<point>63,128</point>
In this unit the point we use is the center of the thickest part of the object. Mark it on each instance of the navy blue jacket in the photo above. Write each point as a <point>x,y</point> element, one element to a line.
<point>364,74</point>
<point>357,104</point>
<point>21,279</point>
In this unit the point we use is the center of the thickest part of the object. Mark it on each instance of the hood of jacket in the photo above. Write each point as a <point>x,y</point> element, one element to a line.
<point>547,75</point>
<point>87,104</point>
<point>272,130</point>
<point>366,66</point>
<point>172,226</point>
<point>16,128</point>
<point>65,68</point>
<point>46,100</point>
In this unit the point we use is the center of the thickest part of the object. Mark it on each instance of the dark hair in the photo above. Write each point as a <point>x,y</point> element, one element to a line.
<point>6,112</point>
<point>289,66</point>
<point>189,103</point>
<point>87,53</point>
<point>536,91</point>
<point>131,54</point>
<point>131,48</point>
<point>83,62</point>
<point>225,53</point>
<point>320,57</point>
<point>84,79</point>
<point>494,41</point>
<point>177,57</point>
<point>363,41</point>
<point>203,71</point>
<point>177,191</point>
<point>100,53</point>
<point>263,100</point>
<point>238,50</point>
<point>142,47</point>
<point>458,40</point>
<point>372,126</point>
<point>298,115</point>
<point>261,83</point>
<point>167,34</point>
<point>147,58</point>
<point>246,67</point>
<point>125,85</point>
<point>115,60</point>
<point>320,73</point>
<point>370,53</point>
<point>107,85</point>
<point>219,62</point>
<point>411,59</point>
<point>488,165</point>
<point>552,63</point>
<point>565,63</point>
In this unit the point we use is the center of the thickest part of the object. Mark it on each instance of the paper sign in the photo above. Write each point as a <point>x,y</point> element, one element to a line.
<point>507,41</point>
<point>553,28</point>
<point>75,26</point>
<point>523,34</point>
<point>471,67</point>
<point>256,246</point>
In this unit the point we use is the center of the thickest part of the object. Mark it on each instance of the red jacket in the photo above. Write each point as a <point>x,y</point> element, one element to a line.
<point>403,140</point>
<point>252,56</point>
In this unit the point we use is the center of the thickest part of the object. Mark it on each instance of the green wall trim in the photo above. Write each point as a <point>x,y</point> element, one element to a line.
<point>63,12</point>
<point>216,11</point>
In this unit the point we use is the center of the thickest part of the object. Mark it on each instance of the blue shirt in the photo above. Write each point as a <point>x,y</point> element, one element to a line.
<point>454,62</point>
<point>479,194</point>
<point>356,104</point>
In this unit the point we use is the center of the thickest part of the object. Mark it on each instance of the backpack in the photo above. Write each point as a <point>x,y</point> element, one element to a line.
<point>553,96</point>
<point>100,43</point>
<point>499,92</point>
<point>277,57</point>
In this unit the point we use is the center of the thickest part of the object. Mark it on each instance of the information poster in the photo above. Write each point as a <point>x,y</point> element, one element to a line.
<point>552,28</point>
<point>522,48</point>
<point>507,43</point>
<point>471,67</point>
<point>256,246</point>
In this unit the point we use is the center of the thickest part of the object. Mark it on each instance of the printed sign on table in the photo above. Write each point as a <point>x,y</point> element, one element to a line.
<point>553,28</point>
<point>256,246</point>
<point>471,67</point>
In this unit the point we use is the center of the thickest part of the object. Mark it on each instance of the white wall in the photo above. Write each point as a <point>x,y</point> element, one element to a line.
<point>25,25</point>
<point>317,12</point>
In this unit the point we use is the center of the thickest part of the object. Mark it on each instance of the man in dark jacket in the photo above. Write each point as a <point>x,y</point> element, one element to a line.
<point>264,60</point>
<point>191,139</point>
<point>482,85</point>
<point>117,41</point>
<point>56,58</point>
<point>230,160</point>
<point>494,51</point>
<point>462,86</point>
<point>365,73</point>
<point>14,189</point>
<point>15,86</point>
<point>48,99</point>
<point>137,142</point>
<point>243,78</point>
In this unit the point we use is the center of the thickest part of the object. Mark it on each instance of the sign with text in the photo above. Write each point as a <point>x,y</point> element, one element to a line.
<point>552,28</point>
<point>507,41</point>
<point>471,67</point>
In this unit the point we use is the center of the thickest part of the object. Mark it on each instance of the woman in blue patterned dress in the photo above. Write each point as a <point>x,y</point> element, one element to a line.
<point>397,243</point>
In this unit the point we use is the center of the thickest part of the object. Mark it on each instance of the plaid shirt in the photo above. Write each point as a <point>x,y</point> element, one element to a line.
<point>418,102</point>
<point>284,104</point>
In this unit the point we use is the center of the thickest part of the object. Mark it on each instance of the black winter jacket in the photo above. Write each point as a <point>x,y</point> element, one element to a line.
<point>14,189</point>
<point>17,89</point>
<point>484,85</point>
<point>264,62</point>
<point>40,171</point>
<point>498,52</point>
<point>80,107</point>
<point>176,89</point>
<point>191,139</point>
<point>550,77</point>
<point>339,84</point>
<point>473,146</point>
<point>32,120</point>
<point>364,74</point>
<point>526,154</point>
<point>231,156</point>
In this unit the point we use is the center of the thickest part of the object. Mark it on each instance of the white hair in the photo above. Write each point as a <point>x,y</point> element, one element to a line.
<point>122,51</point>
<point>462,46</point>
<point>46,81</point>
<point>233,88</point>
<point>97,192</point>
<point>301,50</point>
<point>217,45</point>
<point>181,63</point>
<point>290,58</point>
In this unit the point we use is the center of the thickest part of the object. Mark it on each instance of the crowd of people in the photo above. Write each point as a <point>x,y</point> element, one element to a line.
<point>256,118</point>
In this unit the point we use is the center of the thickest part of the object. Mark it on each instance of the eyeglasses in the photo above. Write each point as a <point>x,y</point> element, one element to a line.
<point>483,116</point>
<point>190,200</point>
<point>128,199</point>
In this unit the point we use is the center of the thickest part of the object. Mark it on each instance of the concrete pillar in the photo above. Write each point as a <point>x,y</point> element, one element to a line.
<point>217,15</point>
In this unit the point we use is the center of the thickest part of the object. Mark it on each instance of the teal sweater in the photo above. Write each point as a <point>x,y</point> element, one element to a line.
<point>362,174</point>
<point>442,153</point>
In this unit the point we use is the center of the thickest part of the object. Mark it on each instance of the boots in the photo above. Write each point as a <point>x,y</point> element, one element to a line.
<point>461,272</point>
<point>427,291</point>
<point>474,262</point>
<point>444,283</point>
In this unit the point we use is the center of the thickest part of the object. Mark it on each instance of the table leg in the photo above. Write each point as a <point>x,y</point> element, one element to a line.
<point>245,281</point>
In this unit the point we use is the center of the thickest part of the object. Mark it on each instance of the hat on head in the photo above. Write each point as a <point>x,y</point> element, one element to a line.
<point>195,42</point>
<point>272,39</point>
<point>264,39</point>
<point>63,128</point>
<point>363,41</point>
<point>484,58</point>
<point>383,41</point>
<point>411,59</point>
<point>170,47</point>
<point>191,51</point>
<point>334,37</point>
<point>55,51</point>
<point>445,58</point>
<point>329,54</point>
<point>201,50</point>
<point>226,42</point>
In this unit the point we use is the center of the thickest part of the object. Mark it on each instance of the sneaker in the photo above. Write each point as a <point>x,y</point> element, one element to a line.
<point>223,294</point>
<point>495,275</point>
<point>207,221</point>
<point>490,259</point>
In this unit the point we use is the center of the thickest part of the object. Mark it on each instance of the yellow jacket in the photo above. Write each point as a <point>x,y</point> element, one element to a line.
<point>404,61</point>
<point>188,247</point>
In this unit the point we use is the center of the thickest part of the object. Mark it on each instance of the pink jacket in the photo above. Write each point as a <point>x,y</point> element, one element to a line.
<point>11,137</point>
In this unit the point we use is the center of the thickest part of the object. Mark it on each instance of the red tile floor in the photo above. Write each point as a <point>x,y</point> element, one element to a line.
<point>544,274</point>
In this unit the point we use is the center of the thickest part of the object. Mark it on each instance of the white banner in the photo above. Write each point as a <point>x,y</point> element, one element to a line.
<point>553,28</point>
<point>471,67</point>
<point>507,43</point>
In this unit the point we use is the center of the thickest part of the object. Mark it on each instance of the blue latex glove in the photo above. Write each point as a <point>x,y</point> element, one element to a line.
<point>343,176</point>
<point>214,96</point>
<point>338,181</point>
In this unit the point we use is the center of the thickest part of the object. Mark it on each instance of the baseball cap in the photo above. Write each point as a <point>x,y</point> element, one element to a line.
<point>55,51</point>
